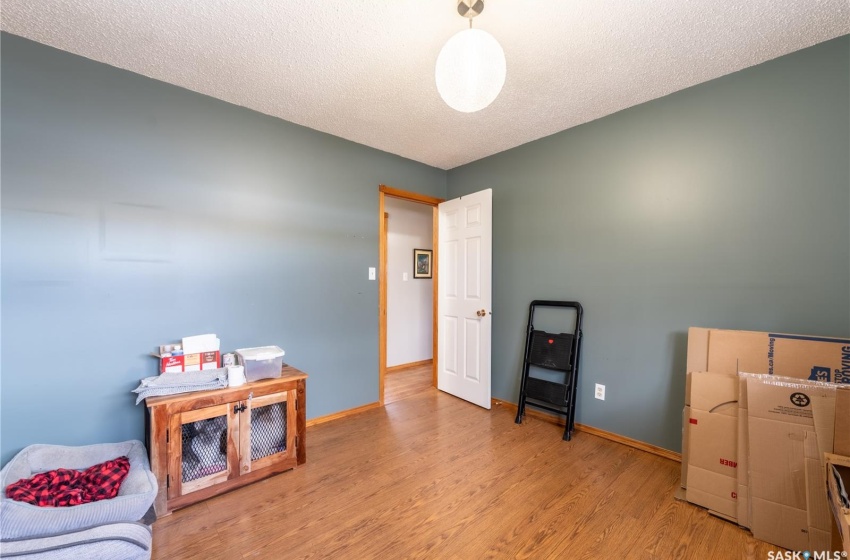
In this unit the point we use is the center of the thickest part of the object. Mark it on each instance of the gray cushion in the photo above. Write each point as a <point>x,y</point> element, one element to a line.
<point>127,541</point>
<point>21,520</point>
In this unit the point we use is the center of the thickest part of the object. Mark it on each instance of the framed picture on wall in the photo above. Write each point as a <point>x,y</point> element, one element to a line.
<point>422,263</point>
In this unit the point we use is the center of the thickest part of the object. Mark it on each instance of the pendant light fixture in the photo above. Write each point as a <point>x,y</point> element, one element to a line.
<point>471,66</point>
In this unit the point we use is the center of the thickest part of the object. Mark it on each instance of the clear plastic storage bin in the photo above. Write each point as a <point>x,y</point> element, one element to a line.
<point>263,362</point>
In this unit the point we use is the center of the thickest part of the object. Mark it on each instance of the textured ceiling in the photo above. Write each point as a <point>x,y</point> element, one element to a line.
<point>364,69</point>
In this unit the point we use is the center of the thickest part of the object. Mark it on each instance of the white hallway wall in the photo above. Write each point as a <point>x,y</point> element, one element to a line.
<point>409,303</point>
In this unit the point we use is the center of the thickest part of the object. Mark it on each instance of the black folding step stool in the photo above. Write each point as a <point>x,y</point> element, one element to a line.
<point>557,352</point>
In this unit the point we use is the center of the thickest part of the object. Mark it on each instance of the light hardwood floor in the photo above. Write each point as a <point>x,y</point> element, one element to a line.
<point>431,476</point>
<point>407,382</point>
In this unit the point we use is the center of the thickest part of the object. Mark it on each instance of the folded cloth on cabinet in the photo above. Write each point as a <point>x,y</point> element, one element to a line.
<point>173,383</point>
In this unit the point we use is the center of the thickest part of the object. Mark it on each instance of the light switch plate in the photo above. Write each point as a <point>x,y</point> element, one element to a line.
<point>404,277</point>
<point>371,273</point>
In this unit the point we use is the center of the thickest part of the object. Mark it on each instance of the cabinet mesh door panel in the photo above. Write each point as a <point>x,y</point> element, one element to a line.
<point>268,430</point>
<point>204,448</point>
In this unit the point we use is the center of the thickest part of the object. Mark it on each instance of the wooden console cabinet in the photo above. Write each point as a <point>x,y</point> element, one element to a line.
<point>204,443</point>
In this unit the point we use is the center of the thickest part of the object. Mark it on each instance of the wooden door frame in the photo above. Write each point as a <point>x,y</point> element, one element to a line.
<point>383,192</point>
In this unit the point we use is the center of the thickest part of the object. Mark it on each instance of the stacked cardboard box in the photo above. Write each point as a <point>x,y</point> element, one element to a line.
<point>838,484</point>
<point>753,445</point>
<point>841,460</point>
<point>791,424</point>
<point>712,464</point>
<point>193,353</point>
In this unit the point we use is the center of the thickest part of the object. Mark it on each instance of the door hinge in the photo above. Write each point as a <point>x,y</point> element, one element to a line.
<point>168,481</point>
<point>167,436</point>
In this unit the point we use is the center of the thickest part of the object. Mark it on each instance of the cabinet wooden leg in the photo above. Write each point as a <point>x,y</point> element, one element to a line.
<point>302,421</point>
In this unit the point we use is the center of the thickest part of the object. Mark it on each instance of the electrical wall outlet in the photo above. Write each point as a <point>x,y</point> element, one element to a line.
<point>600,392</point>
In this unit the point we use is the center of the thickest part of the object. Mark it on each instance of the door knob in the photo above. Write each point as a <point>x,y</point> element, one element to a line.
<point>481,312</point>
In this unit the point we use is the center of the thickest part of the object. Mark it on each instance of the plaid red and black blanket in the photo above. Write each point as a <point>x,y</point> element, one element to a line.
<point>69,487</point>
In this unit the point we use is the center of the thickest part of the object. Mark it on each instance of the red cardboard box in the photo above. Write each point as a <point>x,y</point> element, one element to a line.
<point>189,362</point>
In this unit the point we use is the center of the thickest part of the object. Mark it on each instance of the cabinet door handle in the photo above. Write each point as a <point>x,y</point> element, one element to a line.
<point>237,408</point>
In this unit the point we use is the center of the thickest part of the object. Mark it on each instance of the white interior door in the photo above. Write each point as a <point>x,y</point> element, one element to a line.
<point>464,297</point>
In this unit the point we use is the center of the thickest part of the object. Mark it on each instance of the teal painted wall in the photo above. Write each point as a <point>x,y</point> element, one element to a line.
<point>135,212</point>
<point>724,205</point>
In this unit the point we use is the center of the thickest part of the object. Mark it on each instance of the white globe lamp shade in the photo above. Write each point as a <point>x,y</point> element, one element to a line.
<point>470,70</point>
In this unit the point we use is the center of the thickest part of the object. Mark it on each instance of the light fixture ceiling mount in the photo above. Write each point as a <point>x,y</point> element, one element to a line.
<point>470,8</point>
<point>471,66</point>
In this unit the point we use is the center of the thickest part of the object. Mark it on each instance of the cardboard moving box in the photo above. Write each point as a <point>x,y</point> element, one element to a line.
<point>841,441</point>
<point>728,351</point>
<point>791,426</point>
<point>838,484</point>
<point>712,443</point>
<point>815,358</point>
<point>743,455</point>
